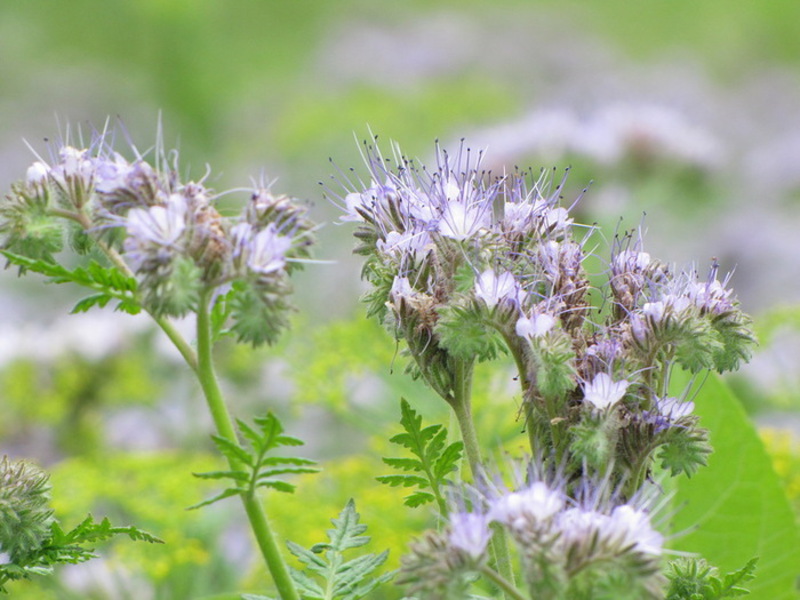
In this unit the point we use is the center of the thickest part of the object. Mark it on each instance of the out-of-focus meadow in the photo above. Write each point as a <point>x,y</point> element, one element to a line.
<point>686,119</point>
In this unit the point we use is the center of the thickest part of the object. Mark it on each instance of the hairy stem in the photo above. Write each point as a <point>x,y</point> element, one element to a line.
<point>461,402</point>
<point>224,424</point>
<point>504,584</point>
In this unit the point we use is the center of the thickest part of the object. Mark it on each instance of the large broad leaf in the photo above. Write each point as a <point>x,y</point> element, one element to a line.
<point>735,508</point>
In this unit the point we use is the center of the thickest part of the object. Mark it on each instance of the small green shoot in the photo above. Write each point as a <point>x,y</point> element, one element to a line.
<point>343,580</point>
<point>256,469</point>
<point>434,461</point>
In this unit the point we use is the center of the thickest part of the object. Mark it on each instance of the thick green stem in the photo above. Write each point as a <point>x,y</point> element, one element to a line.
<point>224,424</point>
<point>461,402</point>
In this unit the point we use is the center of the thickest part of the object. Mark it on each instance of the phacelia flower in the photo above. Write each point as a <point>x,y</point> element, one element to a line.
<point>493,288</point>
<point>470,533</point>
<point>603,392</point>
<point>537,503</point>
<point>537,325</point>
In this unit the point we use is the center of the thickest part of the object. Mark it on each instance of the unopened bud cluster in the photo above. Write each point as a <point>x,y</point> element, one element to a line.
<point>170,232</point>
<point>25,514</point>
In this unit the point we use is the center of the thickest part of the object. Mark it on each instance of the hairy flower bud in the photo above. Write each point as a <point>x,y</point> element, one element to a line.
<point>25,514</point>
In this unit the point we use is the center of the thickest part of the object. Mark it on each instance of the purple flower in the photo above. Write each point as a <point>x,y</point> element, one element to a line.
<point>156,233</point>
<point>470,533</point>
<point>493,288</point>
<point>537,502</point>
<point>537,325</point>
<point>603,392</point>
<point>631,526</point>
<point>261,252</point>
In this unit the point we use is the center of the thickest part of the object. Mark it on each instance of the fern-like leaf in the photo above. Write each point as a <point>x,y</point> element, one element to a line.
<point>108,283</point>
<point>251,468</point>
<point>435,459</point>
<point>341,579</point>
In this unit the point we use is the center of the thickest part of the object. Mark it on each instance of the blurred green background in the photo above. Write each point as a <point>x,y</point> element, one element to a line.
<point>684,116</point>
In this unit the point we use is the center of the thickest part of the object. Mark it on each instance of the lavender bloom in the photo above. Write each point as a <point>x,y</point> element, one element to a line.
<point>630,526</point>
<point>156,233</point>
<point>538,503</point>
<point>406,244</point>
<point>603,392</point>
<point>537,325</point>
<point>673,409</point>
<point>37,173</point>
<point>262,253</point>
<point>470,533</point>
<point>493,288</point>
<point>459,220</point>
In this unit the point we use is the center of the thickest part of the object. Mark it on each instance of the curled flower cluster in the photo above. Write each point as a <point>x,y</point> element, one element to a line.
<point>568,548</point>
<point>465,265</point>
<point>169,233</point>
<point>25,513</point>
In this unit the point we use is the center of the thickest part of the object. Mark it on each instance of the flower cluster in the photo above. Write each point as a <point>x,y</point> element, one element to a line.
<point>465,265</point>
<point>568,548</point>
<point>25,513</point>
<point>169,233</point>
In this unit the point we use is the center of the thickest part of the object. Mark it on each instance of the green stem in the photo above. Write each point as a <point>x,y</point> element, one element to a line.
<point>224,424</point>
<point>461,402</point>
<point>504,584</point>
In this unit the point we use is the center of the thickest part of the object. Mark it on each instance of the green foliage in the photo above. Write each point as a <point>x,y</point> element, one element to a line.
<point>71,547</point>
<point>435,459</point>
<point>464,333</point>
<point>694,579</point>
<point>684,450</point>
<point>31,539</point>
<point>25,513</point>
<point>256,469</point>
<point>108,283</point>
<point>737,339</point>
<point>258,316</point>
<point>735,507</point>
<point>346,580</point>
<point>554,357</point>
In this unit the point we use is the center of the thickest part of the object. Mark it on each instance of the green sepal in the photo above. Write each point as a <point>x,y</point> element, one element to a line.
<point>258,315</point>
<point>684,450</point>
<point>466,335</point>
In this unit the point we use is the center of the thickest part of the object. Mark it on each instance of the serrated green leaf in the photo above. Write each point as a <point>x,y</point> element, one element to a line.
<point>235,475</point>
<point>266,474</point>
<point>418,498</point>
<point>232,450</point>
<point>448,460</point>
<point>342,580</point>
<point>403,480</point>
<point>84,305</point>
<point>307,557</point>
<point>306,586</point>
<point>347,530</point>
<point>279,486</point>
<point>404,464</point>
<point>221,496</point>
<point>436,459</point>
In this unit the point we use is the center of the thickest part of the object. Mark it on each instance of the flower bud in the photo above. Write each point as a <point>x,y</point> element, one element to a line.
<point>25,514</point>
